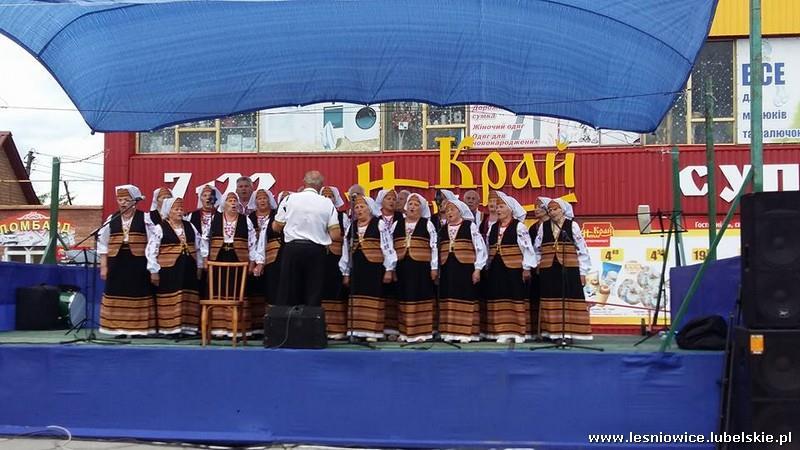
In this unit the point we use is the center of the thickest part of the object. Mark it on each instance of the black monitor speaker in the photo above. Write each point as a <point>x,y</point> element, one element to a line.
<point>295,327</point>
<point>37,308</point>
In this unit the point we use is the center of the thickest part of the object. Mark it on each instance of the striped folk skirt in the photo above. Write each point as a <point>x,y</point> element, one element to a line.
<point>390,324</point>
<point>334,299</point>
<point>177,297</point>
<point>128,306</point>
<point>256,303</point>
<point>415,299</point>
<point>575,318</point>
<point>459,308</point>
<point>507,304</point>
<point>366,297</point>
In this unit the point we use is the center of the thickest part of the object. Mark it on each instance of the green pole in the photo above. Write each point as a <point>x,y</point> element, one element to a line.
<point>711,167</point>
<point>677,209</point>
<point>49,256</point>
<point>756,85</point>
<point>699,275</point>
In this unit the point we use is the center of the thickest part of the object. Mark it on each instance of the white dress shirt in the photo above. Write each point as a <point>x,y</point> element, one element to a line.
<point>307,216</point>
<point>584,261</point>
<point>387,248</point>
<point>481,252</point>
<point>154,244</point>
<point>105,233</point>
<point>434,240</point>
<point>529,260</point>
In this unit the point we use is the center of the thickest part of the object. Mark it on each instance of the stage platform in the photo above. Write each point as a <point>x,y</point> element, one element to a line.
<point>484,395</point>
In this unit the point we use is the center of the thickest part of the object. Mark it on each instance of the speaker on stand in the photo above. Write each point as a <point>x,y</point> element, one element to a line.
<point>763,389</point>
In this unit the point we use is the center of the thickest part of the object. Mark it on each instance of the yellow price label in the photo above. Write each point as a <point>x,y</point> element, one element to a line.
<point>654,254</point>
<point>612,254</point>
<point>699,254</point>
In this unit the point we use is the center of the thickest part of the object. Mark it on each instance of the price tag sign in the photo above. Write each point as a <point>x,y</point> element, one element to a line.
<point>699,254</point>
<point>612,254</point>
<point>654,254</point>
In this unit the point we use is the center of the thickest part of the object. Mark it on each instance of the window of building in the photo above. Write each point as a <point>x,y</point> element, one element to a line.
<point>415,126</point>
<point>685,122</point>
<point>230,134</point>
<point>29,255</point>
<point>334,115</point>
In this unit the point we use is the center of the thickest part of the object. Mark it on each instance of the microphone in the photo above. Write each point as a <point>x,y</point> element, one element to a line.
<point>138,199</point>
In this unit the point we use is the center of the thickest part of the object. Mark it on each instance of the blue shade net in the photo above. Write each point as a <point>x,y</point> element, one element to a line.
<point>141,65</point>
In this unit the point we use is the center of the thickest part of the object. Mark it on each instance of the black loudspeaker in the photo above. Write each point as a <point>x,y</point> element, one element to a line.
<point>771,259</point>
<point>37,307</point>
<point>766,377</point>
<point>295,327</point>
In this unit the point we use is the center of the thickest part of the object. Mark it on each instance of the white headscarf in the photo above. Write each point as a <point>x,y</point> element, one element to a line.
<point>373,206</point>
<point>166,206</point>
<point>251,205</point>
<point>154,201</point>
<point>221,206</point>
<point>466,214</point>
<point>517,211</point>
<point>423,205</point>
<point>133,191</point>
<point>381,195</point>
<point>543,202</point>
<point>217,195</point>
<point>337,197</point>
<point>448,195</point>
<point>566,207</point>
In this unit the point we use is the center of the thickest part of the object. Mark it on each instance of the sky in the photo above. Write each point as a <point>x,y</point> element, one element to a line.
<point>41,117</point>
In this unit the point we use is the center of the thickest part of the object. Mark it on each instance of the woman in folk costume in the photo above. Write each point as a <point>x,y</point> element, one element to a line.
<point>127,307</point>
<point>563,261</point>
<point>232,238</point>
<point>175,254</point>
<point>415,243</point>
<point>208,200</point>
<point>334,295</point>
<point>386,200</point>
<point>511,259</point>
<point>263,206</point>
<point>542,217</point>
<point>159,195</point>
<point>367,268</point>
<point>462,257</point>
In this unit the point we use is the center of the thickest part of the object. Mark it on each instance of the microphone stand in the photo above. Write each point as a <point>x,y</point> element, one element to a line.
<point>351,339</point>
<point>673,230</point>
<point>563,343</point>
<point>89,310</point>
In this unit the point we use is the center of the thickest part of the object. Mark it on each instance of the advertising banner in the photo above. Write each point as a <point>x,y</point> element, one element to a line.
<point>781,90</point>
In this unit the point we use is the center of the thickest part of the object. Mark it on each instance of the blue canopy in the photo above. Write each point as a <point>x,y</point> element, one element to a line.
<point>141,65</point>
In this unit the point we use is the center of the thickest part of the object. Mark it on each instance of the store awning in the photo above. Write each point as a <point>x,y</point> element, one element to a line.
<point>141,65</point>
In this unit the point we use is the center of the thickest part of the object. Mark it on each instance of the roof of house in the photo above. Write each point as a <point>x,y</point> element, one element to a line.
<point>7,144</point>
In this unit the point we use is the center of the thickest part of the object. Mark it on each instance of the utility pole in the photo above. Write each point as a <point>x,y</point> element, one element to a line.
<point>29,161</point>
<point>66,189</point>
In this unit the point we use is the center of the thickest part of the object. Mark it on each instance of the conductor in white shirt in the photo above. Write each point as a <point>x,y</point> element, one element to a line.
<point>309,223</point>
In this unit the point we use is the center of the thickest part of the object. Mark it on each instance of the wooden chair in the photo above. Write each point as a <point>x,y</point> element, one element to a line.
<point>226,288</point>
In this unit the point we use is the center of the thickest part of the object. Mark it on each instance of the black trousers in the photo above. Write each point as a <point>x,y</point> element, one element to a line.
<point>302,274</point>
